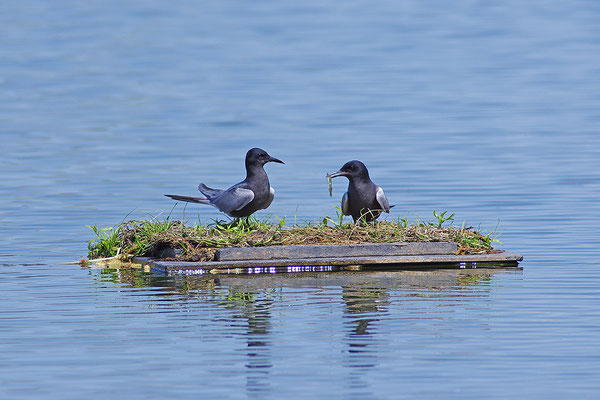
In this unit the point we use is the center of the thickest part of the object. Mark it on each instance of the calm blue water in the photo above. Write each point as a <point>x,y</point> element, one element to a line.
<point>488,109</point>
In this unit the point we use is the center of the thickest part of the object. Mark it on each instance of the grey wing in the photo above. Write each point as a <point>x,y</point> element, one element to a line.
<point>209,192</point>
<point>232,199</point>
<point>270,198</point>
<point>345,205</point>
<point>382,200</point>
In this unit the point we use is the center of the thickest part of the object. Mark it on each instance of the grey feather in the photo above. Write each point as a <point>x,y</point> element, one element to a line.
<point>382,200</point>
<point>270,198</point>
<point>345,204</point>
<point>189,199</point>
<point>209,192</point>
<point>232,199</point>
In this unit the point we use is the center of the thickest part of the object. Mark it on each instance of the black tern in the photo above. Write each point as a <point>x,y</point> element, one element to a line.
<point>242,199</point>
<point>364,199</point>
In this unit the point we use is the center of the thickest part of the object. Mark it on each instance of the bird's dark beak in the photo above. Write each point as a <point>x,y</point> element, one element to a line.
<point>338,173</point>
<point>277,160</point>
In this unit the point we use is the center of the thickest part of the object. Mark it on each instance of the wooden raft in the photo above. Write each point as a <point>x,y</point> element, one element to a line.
<point>331,258</point>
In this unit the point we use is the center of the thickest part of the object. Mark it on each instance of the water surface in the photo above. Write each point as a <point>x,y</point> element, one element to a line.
<point>488,110</point>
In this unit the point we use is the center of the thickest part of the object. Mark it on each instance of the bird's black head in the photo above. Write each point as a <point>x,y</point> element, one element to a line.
<point>352,170</point>
<point>260,157</point>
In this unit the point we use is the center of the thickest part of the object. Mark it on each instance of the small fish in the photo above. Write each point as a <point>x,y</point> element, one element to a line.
<point>329,185</point>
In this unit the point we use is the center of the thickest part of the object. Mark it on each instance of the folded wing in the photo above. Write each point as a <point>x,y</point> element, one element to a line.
<point>382,200</point>
<point>269,199</point>
<point>345,204</point>
<point>232,199</point>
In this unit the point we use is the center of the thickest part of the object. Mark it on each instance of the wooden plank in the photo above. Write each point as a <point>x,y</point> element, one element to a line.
<point>330,264</point>
<point>335,251</point>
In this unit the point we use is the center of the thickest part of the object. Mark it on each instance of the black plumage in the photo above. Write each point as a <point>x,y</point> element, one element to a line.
<point>364,199</point>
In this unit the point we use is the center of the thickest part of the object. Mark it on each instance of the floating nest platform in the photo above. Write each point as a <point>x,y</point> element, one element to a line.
<point>331,258</point>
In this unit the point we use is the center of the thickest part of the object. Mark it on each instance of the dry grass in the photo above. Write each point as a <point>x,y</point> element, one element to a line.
<point>199,242</point>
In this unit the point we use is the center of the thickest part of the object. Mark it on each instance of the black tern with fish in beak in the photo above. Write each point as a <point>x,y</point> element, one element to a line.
<point>364,199</point>
<point>242,199</point>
